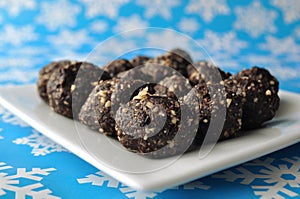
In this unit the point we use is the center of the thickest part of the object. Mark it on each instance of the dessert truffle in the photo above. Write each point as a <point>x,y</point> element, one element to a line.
<point>260,96</point>
<point>96,111</point>
<point>205,71</point>
<point>117,66</point>
<point>149,125</point>
<point>139,60</point>
<point>62,84</point>
<point>219,108</point>
<point>44,76</point>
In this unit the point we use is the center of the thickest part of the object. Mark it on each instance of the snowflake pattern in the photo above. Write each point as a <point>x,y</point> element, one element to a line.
<point>99,26</point>
<point>290,9</point>
<point>72,39</point>
<point>255,19</point>
<point>188,25</point>
<point>35,189</point>
<point>15,7</point>
<point>207,9</point>
<point>40,144</point>
<point>99,178</point>
<point>7,117</point>
<point>158,7</point>
<point>16,36</point>
<point>64,15</point>
<point>130,23</point>
<point>222,43</point>
<point>285,46</point>
<point>1,137</point>
<point>278,179</point>
<point>105,8</point>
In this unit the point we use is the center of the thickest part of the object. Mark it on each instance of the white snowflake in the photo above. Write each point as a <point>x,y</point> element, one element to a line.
<point>189,25</point>
<point>100,178</point>
<point>104,8</point>
<point>70,39</point>
<point>57,14</point>
<point>290,9</point>
<point>167,40</point>
<point>17,36</point>
<point>297,32</point>
<point>285,73</point>
<point>99,26</point>
<point>1,137</point>
<point>255,19</point>
<point>158,7</point>
<point>7,117</point>
<point>130,23</point>
<point>12,76</point>
<point>207,9</point>
<point>284,46</point>
<point>279,179</point>
<point>34,189</point>
<point>222,43</point>
<point>15,7</point>
<point>40,144</point>
<point>110,50</point>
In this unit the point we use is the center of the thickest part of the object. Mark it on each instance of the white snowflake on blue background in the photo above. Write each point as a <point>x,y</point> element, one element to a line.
<point>40,144</point>
<point>57,14</point>
<point>255,19</point>
<point>99,178</point>
<point>189,25</point>
<point>283,178</point>
<point>15,7</point>
<point>70,39</point>
<point>281,46</point>
<point>290,9</point>
<point>17,36</point>
<point>1,137</point>
<point>103,8</point>
<point>102,179</point>
<point>158,7</point>
<point>130,23</point>
<point>207,9</point>
<point>7,117</point>
<point>35,189</point>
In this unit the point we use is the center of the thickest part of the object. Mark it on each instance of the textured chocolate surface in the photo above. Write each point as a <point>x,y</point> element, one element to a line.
<point>117,66</point>
<point>96,111</point>
<point>61,86</point>
<point>149,125</point>
<point>139,60</point>
<point>212,100</point>
<point>260,96</point>
<point>44,76</point>
<point>205,71</point>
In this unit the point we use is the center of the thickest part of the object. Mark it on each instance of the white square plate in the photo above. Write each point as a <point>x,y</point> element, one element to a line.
<point>150,174</point>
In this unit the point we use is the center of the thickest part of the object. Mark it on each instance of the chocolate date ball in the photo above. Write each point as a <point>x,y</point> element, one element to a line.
<point>149,125</point>
<point>174,86</point>
<point>214,102</point>
<point>96,111</point>
<point>205,71</point>
<point>173,60</point>
<point>139,60</point>
<point>260,96</point>
<point>62,84</point>
<point>86,79</point>
<point>182,53</point>
<point>117,66</point>
<point>44,76</point>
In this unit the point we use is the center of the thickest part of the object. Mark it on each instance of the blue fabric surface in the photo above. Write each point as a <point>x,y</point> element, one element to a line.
<point>234,34</point>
